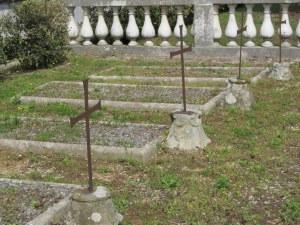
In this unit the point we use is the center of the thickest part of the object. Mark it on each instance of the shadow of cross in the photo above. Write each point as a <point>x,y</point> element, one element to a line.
<point>86,115</point>
<point>181,52</point>
<point>240,31</point>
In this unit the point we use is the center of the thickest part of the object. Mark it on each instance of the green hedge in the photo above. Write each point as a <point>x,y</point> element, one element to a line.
<point>36,33</point>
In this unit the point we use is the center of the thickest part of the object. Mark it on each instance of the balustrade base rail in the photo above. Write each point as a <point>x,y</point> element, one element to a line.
<point>231,54</point>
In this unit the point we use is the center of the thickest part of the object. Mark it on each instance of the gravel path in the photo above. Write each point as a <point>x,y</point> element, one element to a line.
<point>22,202</point>
<point>101,134</point>
<point>123,93</point>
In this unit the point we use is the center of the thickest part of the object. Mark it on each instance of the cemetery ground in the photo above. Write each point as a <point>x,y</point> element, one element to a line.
<point>249,174</point>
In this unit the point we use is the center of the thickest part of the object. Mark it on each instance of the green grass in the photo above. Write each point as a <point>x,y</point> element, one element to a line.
<point>291,211</point>
<point>249,174</point>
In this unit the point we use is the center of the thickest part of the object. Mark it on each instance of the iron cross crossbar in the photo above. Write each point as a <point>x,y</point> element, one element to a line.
<point>181,52</point>
<point>86,115</point>
<point>240,31</point>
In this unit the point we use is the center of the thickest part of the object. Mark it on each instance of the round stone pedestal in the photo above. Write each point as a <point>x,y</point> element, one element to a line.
<point>93,208</point>
<point>186,132</point>
<point>280,71</point>
<point>238,94</point>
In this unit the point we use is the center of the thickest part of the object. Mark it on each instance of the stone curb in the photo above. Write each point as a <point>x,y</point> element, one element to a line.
<point>124,85</point>
<point>226,68</point>
<point>54,212</point>
<point>212,103</point>
<point>263,74</point>
<point>29,182</point>
<point>198,52</point>
<point>67,120</point>
<point>102,152</point>
<point>136,106</point>
<point>137,78</point>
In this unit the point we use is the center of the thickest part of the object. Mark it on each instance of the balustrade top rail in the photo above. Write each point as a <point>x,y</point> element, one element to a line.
<point>167,2</point>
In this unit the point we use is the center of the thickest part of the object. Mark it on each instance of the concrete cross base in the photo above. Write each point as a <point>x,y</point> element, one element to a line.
<point>186,132</point>
<point>280,71</point>
<point>93,209</point>
<point>238,94</point>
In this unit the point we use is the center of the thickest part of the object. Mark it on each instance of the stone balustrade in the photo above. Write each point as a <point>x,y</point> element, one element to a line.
<point>206,27</point>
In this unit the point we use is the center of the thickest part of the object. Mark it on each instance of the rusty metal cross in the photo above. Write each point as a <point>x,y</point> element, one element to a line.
<point>86,115</point>
<point>240,31</point>
<point>181,53</point>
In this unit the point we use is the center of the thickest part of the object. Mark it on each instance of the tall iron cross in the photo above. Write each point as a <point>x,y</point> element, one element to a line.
<point>280,36</point>
<point>181,53</point>
<point>240,31</point>
<point>86,115</point>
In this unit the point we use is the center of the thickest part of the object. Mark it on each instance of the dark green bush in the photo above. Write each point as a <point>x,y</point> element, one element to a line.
<point>36,33</point>
<point>3,57</point>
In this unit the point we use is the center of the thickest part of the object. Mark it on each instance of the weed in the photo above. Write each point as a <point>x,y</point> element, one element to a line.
<point>290,212</point>
<point>45,136</point>
<point>35,204</point>
<point>104,170</point>
<point>165,180</point>
<point>222,183</point>
<point>8,124</point>
<point>242,132</point>
<point>35,175</point>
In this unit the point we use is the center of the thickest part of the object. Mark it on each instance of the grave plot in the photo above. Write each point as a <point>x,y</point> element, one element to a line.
<point>23,201</point>
<point>134,97</point>
<point>131,93</point>
<point>198,72</point>
<point>109,140</point>
<point>64,111</point>
<point>161,81</point>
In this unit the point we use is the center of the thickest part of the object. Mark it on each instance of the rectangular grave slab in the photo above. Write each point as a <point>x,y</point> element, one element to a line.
<point>109,140</point>
<point>129,93</point>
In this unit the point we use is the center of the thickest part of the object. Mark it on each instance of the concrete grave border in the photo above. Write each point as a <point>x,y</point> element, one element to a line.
<point>55,212</point>
<point>124,85</point>
<point>162,79</point>
<point>143,154</point>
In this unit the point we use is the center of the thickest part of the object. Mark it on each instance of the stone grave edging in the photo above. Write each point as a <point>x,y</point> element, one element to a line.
<point>55,212</point>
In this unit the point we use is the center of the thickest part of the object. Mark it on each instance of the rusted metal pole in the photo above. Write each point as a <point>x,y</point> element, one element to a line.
<point>241,44</point>
<point>182,69</point>
<point>280,36</point>
<point>88,138</point>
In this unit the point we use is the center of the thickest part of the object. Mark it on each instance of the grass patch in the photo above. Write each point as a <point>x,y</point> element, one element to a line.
<point>248,175</point>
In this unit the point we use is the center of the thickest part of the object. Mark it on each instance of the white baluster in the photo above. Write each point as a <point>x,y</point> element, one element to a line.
<point>164,30</point>
<point>73,30</point>
<point>86,31</point>
<point>267,29</point>
<point>231,28</point>
<point>132,30</point>
<point>251,29</point>
<point>101,28</point>
<point>180,21</point>
<point>217,26</point>
<point>148,30</point>
<point>116,30</point>
<point>286,29</point>
<point>298,32</point>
